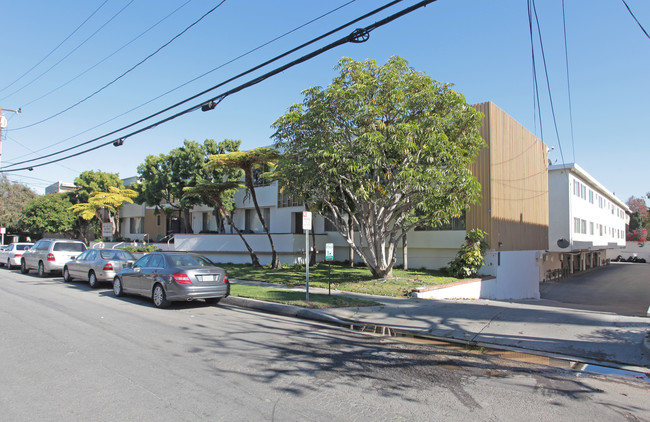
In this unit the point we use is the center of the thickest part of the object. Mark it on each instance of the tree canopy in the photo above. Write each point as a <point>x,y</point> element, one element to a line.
<point>384,147</point>
<point>49,214</point>
<point>14,197</point>
<point>163,178</point>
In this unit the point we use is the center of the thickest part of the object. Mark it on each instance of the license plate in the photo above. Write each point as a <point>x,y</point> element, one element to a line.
<point>209,277</point>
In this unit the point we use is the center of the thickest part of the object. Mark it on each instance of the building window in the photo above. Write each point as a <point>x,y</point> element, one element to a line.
<point>158,220</point>
<point>591,196</point>
<point>135,225</point>
<point>591,227</point>
<point>576,225</point>
<point>583,226</point>
<point>288,201</point>
<point>583,191</point>
<point>205,221</point>
<point>576,188</point>
<point>456,223</point>
<point>248,221</point>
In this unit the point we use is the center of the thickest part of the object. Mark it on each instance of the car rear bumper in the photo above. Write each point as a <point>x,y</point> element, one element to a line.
<point>198,292</point>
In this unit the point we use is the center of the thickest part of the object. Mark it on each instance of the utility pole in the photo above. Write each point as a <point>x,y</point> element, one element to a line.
<point>3,124</point>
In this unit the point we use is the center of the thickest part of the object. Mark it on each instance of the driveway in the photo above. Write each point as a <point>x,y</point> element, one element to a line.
<point>621,287</point>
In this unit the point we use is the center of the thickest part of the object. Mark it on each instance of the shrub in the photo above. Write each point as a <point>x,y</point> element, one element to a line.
<point>469,258</point>
<point>147,248</point>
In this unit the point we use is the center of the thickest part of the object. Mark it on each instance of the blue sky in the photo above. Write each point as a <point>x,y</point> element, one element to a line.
<point>482,47</point>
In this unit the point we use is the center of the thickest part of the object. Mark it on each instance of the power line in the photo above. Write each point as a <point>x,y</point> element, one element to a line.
<point>188,82</point>
<point>548,84</point>
<point>56,48</point>
<point>637,21</point>
<point>357,36</point>
<point>126,72</point>
<point>536,103</point>
<point>109,56</point>
<point>70,53</point>
<point>266,63</point>
<point>568,84</point>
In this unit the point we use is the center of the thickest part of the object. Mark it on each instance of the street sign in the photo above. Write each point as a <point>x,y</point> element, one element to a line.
<point>107,230</point>
<point>3,230</point>
<point>306,220</point>
<point>329,252</point>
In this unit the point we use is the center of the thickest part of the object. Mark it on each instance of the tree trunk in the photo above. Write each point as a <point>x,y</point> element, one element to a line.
<point>351,231</point>
<point>187,223</point>
<point>275,262</point>
<point>312,256</point>
<point>405,255</point>
<point>254,259</point>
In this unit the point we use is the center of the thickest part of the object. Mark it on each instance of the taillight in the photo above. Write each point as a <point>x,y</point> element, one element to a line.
<point>108,267</point>
<point>182,278</point>
<point>18,255</point>
<point>225,277</point>
<point>50,257</point>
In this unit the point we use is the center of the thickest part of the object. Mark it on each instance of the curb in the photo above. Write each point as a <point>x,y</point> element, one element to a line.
<point>304,313</point>
<point>281,309</point>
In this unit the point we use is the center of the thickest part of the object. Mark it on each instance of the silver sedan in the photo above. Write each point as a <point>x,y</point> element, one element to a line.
<point>97,265</point>
<point>173,276</point>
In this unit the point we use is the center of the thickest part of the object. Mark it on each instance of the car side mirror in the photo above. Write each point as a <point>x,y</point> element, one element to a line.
<point>128,265</point>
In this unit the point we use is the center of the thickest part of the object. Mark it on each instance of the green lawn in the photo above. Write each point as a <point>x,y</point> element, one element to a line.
<point>296,298</point>
<point>357,279</point>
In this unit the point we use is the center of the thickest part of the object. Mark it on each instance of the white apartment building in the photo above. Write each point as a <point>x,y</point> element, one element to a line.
<point>585,220</point>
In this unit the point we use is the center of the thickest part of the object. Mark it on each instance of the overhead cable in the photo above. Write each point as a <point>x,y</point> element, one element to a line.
<point>188,82</point>
<point>219,85</point>
<point>637,21</point>
<point>56,48</point>
<point>107,57</point>
<point>70,53</point>
<point>124,73</point>
<point>358,35</point>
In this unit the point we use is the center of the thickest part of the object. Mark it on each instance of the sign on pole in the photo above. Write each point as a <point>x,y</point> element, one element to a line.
<point>329,252</point>
<point>107,230</point>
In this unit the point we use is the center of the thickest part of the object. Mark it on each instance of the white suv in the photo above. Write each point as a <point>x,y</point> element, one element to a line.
<point>48,255</point>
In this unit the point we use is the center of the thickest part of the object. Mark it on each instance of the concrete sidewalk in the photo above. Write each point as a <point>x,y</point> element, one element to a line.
<point>540,326</point>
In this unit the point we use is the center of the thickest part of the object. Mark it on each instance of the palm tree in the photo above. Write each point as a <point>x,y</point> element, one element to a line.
<point>211,193</point>
<point>248,161</point>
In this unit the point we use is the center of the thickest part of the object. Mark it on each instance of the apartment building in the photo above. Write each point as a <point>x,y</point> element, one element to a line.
<point>586,220</point>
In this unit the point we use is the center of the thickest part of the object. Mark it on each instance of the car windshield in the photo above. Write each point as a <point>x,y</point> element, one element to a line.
<point>116,254</point>
<point>69,247</point>
<point>189,261</point>
<point>23,247</point>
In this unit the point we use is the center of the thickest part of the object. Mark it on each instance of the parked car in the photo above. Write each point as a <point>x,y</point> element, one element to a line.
<point>49,255</point>
<point>97,265</point>
<point>10,256</point>
<point>3,247</point>
<point>173,276</point>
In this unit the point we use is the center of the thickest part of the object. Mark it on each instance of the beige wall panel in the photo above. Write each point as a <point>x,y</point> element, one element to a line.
<point>514,209</point>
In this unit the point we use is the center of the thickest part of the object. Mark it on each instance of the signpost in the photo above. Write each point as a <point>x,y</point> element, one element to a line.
<point>107,230</point>
<point>306,225</point>
<point>3,231</point>
<point>329,257</point>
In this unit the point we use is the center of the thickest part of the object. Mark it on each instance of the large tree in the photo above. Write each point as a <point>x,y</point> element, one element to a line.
<point>163,178</point>
<point>384,146</point>
<point>49,214</point>
<point>13,197</point>
<point>249,162</point>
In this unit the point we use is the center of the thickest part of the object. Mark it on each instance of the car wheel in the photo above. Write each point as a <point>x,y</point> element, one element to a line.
<point>159,297</point>
<point>92,280</point>
<point>117,287</point>
<point>23,267</point>
<point>41,270</point>
<point>212,300</point>
<point>66,275</point>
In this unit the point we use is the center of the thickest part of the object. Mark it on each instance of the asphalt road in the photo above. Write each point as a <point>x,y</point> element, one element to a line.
<point>72,353</point>
<point>621,287</point>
